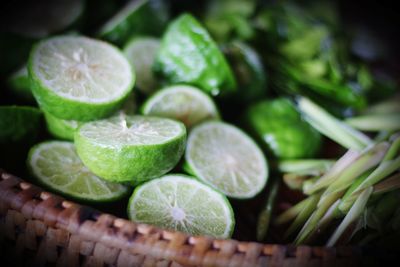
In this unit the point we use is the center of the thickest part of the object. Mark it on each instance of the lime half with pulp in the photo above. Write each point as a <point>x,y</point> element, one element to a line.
<point>131,148</point>
<point>226,158</point>
<point>57,165</point>
<point>78,78</point>
<point>181,102</point>
<point>181,203</point>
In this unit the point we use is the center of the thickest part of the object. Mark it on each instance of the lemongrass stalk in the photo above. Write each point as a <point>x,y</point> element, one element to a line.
<point>309,183</point>
<point>394,148</point>
<point>305,166</point>
<point>294,181</point>
<point>330,214</point>
<point>389,106</point>
<point>332,127</point>
<point>375,123</point>
<point>367,160</point>
<point>323,206</point>
<point>355,212</point>
<point>383,170</point>
<point>303,215</point>
<point>386,167</point>
<point>387,185</point>
<point>292,212</point>
<point>350,196</point>
<point>346,160</point>
<point>264,217</point>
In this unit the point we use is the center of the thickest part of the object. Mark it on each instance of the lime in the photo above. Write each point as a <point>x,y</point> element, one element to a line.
<point>20,84</point>
<point>137,17</point>
<point>189,55</point>
<point>181,203</point>
<point>181,102</point>
<point>19,123</point>
<point>63,129</point>
<point>56,165</point>
<point>38,19</point>
<point>141,52</point>
<point>131,148</point>
<point>78,78</point>
<point>226,158</point>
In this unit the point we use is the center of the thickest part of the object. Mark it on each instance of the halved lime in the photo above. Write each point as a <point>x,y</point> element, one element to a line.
<point>181,102</point>
<point>19,123</point>
<point>63,129</point>
<point>20,84</point>
<point>141,52</point>
<point>137,17</point>
<point>181,203</point>
<point>189,55</point>
<point>226,158</point>
<point>131,148</point>
<point>38,19</point>
<point>78,78</point>
<point>56,165</point>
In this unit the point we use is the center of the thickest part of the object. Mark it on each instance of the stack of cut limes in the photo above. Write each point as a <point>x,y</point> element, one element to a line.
<point>84,87</point>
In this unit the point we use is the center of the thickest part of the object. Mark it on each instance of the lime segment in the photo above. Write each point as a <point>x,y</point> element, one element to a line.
<point>57,165</point>
<point>141,52</point>
<point>227,159</point>
<point>181,203</point>
<point>181,102</point>
<point>78,78</point>
<point>131,148</point>
<point>188,55</point>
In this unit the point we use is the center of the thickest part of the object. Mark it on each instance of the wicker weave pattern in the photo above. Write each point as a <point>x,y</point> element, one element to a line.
<point>68,234</point>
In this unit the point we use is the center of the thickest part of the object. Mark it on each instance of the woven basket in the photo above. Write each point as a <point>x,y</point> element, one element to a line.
<point>42,229</point>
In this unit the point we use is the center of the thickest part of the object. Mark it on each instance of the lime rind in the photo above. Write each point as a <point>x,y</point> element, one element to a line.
<point>141,52</point>
<point>63,129</point>
<point>64,85</point>
<point>180,202</point>
<point>131,148</point>
<point>189,55</point>
<point>226,158</point>
<point>56,165</point>
<point>185,103</point>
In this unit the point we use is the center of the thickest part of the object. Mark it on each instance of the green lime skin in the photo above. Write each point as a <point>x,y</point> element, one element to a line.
<point>279,127</point>
<point>188,55</point>
<point>19,123</point>
<point>132,163</point>
<point>63,129</point>
<point>72,109</point>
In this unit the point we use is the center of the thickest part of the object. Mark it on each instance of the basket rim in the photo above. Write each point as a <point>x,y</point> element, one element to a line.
<point>92,225</point>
